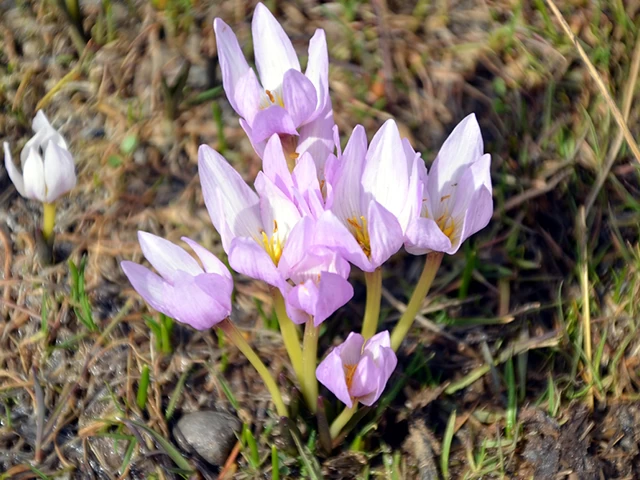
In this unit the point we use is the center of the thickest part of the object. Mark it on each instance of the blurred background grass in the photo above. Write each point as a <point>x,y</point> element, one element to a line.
<point>494,381</point>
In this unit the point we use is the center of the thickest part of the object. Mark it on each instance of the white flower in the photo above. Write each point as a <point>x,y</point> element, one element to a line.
<point>48,170</point>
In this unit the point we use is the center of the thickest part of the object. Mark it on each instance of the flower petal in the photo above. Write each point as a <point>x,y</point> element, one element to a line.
<point>238,79</point>
<point>463,147</point>
<point>219,288</point>
<point>378,341</point>
<point>274,119</point>
<point>12,170</point>
<point>274,164</point>
<point>297,246</point>
<point>366,379</point>
<point>192,305</point>
<point>59,171</point>
<point>149,285</point>
<point>166,257</point>
<point>476,217</point>
<point>302,301</point>
<point>318,68</point>
<point>273,50</point>
<point>386,171</point>
<point>333,293</point>
<point>351,350</point>
<point>385,234</point>
<point>300,96</point>
<point>332,233</point>
<point>250,259</point>
<point>316,138</point>
<point>424,235</point>
<point>210,262</point>
<point>330,373</point>
<point>232,205</point>
<point>33,176</point>
<point>383,370</point>
<point>347,189</point>
<point>278,212</point>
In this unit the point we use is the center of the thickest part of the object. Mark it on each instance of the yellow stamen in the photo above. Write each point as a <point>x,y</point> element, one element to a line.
<point>349,372</point>
<point>272,245</point>
<point>270,95</point>
<point>447,226</point>
<point>361,233</point>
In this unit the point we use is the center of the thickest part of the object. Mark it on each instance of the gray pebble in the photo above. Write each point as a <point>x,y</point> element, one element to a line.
<point>211,435</point>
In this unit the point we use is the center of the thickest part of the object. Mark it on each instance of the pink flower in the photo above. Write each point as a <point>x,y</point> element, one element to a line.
<point>375,193</point>
<point>285,101</point>
<point>456,200</point>
<point>195,294</point>
<point>358,371</point>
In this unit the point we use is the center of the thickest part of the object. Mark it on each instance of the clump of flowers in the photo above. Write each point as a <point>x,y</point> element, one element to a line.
<point>314,210</point>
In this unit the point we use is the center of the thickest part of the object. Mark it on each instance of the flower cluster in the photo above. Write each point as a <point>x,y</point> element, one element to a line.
<point>312,212</point>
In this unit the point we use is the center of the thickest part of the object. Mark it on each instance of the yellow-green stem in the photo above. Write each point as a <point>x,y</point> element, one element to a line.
<point>309,364</point>
<point>290,336</point>
<point>238,340</point>
<point>342,419</point>
<point>48,220</point>
<point>373,281</point>
<point>422,288</point>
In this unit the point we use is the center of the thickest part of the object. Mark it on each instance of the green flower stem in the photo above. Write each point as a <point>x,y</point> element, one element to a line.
<point>309,364</point>
<point>290,336</point>
<point>48,220</point>
<point>238,340</point>
<point>422,288</point>
<point>373,281</point>
<point>342,419</point>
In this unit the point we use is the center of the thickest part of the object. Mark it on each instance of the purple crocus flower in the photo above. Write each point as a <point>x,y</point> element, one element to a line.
<point>253,228</point>
<point>192,293</point>
<point>358,371</point>
<point>284,101</point>
<point>376,192</point>
<point>456,201</point>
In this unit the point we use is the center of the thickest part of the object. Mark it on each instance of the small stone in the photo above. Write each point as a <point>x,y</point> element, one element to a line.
<point>210,434</point>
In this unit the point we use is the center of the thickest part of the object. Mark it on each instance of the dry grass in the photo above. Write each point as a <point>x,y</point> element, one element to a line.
<point>500,341</point>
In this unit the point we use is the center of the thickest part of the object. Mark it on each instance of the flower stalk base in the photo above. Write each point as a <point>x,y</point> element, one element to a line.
<point>422,288</point>
<point>309,364</point>
<point>373,281</point>
<point>48,220</point>
<point>234,336</point>
<point>342,419</point>
<point>289,336</point>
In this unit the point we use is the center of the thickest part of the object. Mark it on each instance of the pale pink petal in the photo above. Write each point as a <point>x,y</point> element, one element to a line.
<point>299,97</point>
<point>463,147</point>
<point>316,138</point>
<point>274,164</point>
<point>278,212</point>
<point>238,79</point>
<point>366,379</point>
<point>333,293</point>
<point>347,188</point>
<point>252,260</point>
<point>12,170</point>
<point>228,198</point>
<point>351,349</point>
<point>274,119</point>
<point>330,373</point>
<point>193,306</point>
<point>332,233</point>
<point>386,171</point>
<point>210,262</point>
<point>219,288</point>
<point>424,236</point>
<point>476,217</point>
<point>149,285</point>
<point>318,68</point>
<point>378,341</point>
<point>298,244</point>
<point>302,301</point>
<point>166,257</point>
<point>59,172</point>
<point>385,235</point>
<point>273,50</point>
